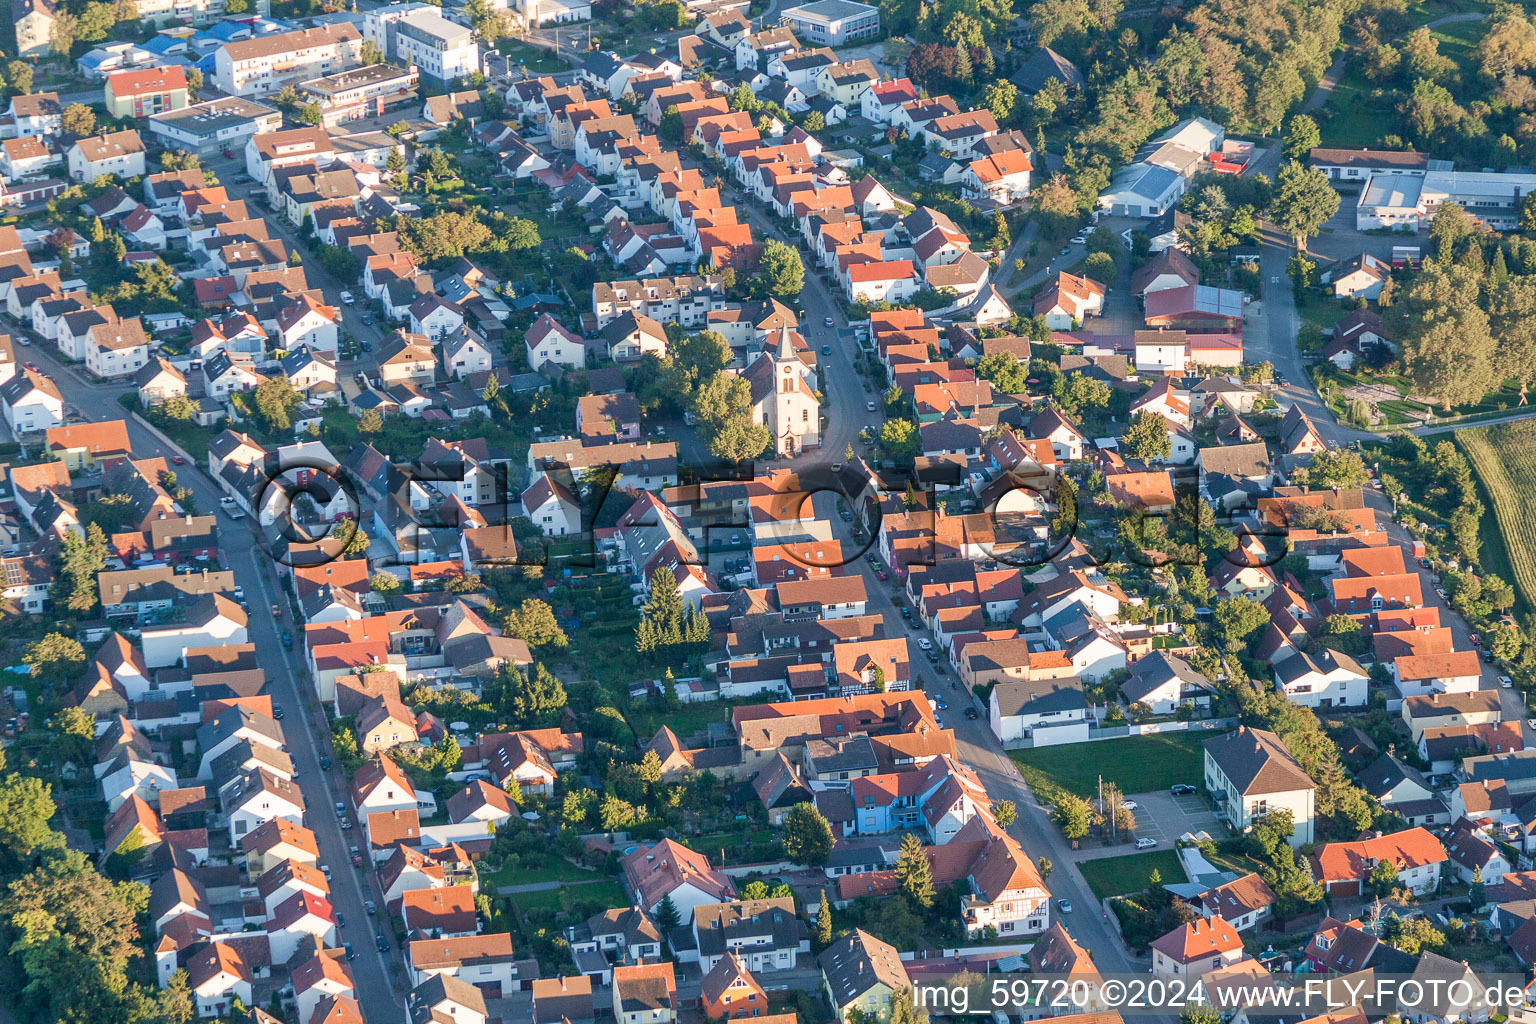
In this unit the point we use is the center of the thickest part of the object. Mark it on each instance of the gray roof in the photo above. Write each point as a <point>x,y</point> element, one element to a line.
<point>1513,766</point>
<point>1324,661</point>
<point>847,754</point>
<point>231,721</point>
<point>1387,772</point>
<point>1156,669</point>
<point>1038,697</point>
<point>858,962</point>
<point>1236,460</point>
<point>1256,762</point>
<point>738,923</point>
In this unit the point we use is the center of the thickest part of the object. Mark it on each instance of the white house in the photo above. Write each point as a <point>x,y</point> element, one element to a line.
<point>548,342</point>
<point>465,353</point>
<point>304,321</point>
<point>31,403</point>
<point>218,976</point>
<point>1046,711</point>
<point>120,154</point>
<point>552,507</point>
<point>1250,773</point>
<point>1327,679</point>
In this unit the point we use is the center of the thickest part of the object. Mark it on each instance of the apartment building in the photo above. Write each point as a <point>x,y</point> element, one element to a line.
<point>263,65</point>
<point>418,34</point>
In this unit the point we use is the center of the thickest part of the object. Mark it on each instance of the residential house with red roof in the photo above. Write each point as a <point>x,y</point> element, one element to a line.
<point>1067,300</point>
<point>667,868</point>
<point>1202,945</point>
<point>1346,868</point>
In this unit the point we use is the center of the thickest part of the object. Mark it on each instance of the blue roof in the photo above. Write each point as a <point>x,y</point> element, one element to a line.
<point>1149,181</point>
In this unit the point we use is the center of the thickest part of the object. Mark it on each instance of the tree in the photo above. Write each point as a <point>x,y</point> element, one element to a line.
<point>723,409</point>
<point>1005,813</point>
<point>1343,634</point>
<point>1236,619</point>
<point>667,917</point>
<point>521,234</point>
<point>1342,468</point>
<point>533,700</point>
<point>914,873</point>
<point>370,53</point>
<point>56,657</point>
<point>276,400</point>
<point>1003,369</point>
<point>1272,832</point>
<point>533,622</point>
<point>1304,201</point>
<point>19,74</point>
<point>1046,867</point>
<point>1199,1013</point>
<point>824,922</point>
<point>1302,137</point>
<point>900,439</point>
<point>807,835</point>
<point>386,585</point>
<point>1072,815</point>
<point>310,113</point>
<point>1146,437</point>
<point>781,272</point>
<point>61,37</point>
<point>72,936</point>
<point>357,542</point>
<point>194,82</point>
<point>1077,392</point>
<point>1414,935</point>
<point>78,119</point>
<point>26,805</point>
<point>1002,99</point>
<point>80,560</point>
<point>1100,266</point>
<point>1476,894</point>
<point>1383,878</point>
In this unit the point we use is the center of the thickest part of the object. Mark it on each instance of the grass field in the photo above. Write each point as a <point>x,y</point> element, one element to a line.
<point>1116,876</point>
<point>607,893</point>
<point>1138,764</point>
<point>1504,458</point>
<point>559,871</point>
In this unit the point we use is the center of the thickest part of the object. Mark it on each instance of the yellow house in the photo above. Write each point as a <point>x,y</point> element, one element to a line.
<point>846,83</point>
<point>859,971</point>
<point>147,91</point>
<point>87,447</point>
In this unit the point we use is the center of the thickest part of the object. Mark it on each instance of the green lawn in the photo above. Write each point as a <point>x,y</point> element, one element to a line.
<point>1117,876</point>
<point>560,871</point>
<point>647,719</point>
<point>607,893</point>
<point>1138,764</point>
<point>535,58</point>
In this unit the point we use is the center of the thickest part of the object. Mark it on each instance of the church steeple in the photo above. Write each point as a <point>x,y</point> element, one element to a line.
<point>786,347</point>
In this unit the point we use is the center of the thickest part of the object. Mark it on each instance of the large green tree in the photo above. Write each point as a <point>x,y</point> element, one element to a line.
<point>780,273</point>
<point>533,622</point>
<point>807,835</point>
<point>1304,201</point>
<point>913,872</point>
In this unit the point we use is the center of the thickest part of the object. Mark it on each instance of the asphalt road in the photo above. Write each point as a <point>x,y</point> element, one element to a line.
<point>306,733</point>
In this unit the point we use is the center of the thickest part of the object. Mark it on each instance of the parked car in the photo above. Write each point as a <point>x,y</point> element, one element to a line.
<point>1181,789</point>
<point>1129,805</point>
<point>827,321</point>
<point>346,298</point>
<point>971,714</point>
<point>1145,843</point>
<point>347,948</point>
<point>826,350</point>
<point>870,406</point>
<point>925,643</point>
<point>277,712</point>
<point>357,857</point>
<point>1506,682</point>
<point>178,460</point>
<point>1065,906</point>
<point>346,822</point>
<point>341,919</point>
<point>383,944</point>
<point>372,908</point>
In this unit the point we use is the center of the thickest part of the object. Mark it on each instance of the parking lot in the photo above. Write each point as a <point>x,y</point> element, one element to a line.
<point>1165,817</point>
